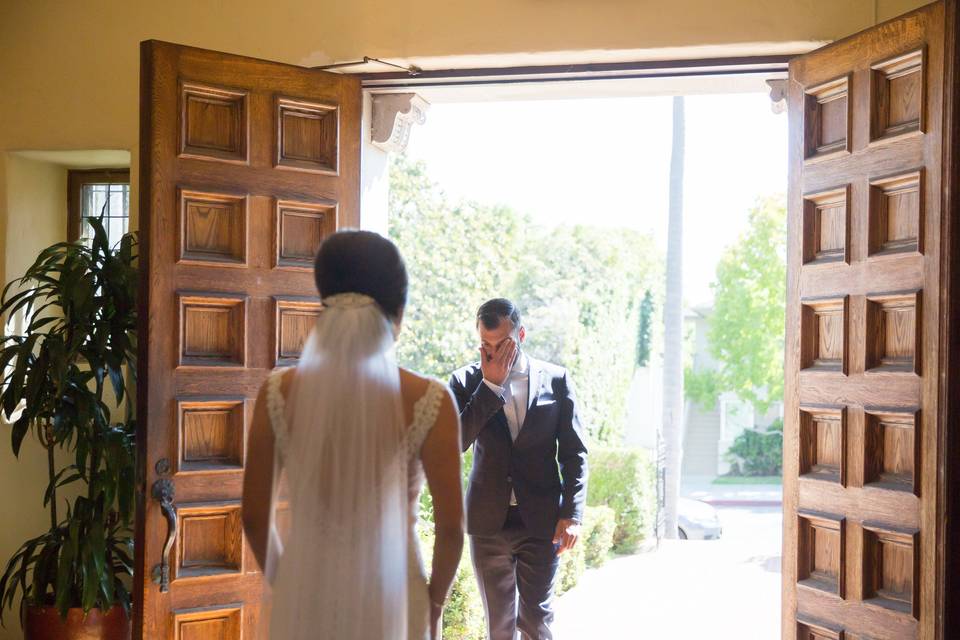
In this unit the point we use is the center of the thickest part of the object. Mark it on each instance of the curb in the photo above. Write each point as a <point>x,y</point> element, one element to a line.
<point>744,503</point>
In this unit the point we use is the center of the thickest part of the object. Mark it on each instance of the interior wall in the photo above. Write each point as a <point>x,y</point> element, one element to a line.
<point>36,202</point>
<point>70,69</point>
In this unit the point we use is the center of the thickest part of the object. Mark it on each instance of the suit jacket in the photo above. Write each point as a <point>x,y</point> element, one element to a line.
<point>547,465</point>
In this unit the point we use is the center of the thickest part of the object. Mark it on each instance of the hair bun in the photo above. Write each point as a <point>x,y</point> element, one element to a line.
<point>362,263</point>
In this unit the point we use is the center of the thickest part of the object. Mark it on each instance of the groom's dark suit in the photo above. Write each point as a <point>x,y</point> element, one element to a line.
<point>545,467</point>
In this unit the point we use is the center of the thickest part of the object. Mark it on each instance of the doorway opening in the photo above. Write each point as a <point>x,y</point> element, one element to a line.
<point>559,198</point>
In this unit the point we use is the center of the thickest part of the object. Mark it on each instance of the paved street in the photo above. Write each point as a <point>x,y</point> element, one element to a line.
<point>686,590</point>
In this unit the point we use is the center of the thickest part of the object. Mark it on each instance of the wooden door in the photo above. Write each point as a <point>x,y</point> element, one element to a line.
<point>865,402</point>
<point>245,166</point>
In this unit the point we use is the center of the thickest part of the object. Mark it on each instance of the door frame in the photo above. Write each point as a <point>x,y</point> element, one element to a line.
<point>373,172</point>
<point>949,496</point>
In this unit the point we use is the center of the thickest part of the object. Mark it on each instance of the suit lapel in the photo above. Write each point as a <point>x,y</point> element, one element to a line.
<point>533,390</point>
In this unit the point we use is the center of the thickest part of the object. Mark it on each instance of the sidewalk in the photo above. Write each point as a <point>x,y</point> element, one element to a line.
<point>746,495</point>
<point>726,589</point>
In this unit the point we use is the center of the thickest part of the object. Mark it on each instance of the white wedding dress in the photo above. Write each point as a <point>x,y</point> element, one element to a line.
<point>285,626</point>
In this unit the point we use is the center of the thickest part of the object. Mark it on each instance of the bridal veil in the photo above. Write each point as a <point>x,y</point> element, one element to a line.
<point>339,570</point>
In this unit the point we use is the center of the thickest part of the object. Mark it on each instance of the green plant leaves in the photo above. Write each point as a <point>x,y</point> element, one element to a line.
<point>125,494</point>
<point>580,289</point>
<point>45,571</point>
<point>78,305</point>
<point>758,453</point>
<point>58,481</point>
<point>68,551</point>
<point>20,428</point>
<point>745,331</point>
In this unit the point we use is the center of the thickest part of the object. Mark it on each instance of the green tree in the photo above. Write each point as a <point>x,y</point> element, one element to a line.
<point>746,330</point>
<point>645,329</point>
<point>579,289</point>
<point>458,256</point>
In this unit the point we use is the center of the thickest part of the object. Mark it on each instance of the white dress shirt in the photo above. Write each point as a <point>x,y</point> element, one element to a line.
<point>515,393</point>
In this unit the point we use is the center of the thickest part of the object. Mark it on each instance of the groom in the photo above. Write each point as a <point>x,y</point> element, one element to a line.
<point>529,481</point>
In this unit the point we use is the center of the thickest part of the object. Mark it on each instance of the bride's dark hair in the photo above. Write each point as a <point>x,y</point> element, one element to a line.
<point>363,262</point>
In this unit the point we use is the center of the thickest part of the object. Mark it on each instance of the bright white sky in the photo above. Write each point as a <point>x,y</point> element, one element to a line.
<point>606,162</point>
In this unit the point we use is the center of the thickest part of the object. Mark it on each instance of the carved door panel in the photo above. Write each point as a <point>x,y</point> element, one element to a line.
<point>862,444</point>
<point>245,166</point>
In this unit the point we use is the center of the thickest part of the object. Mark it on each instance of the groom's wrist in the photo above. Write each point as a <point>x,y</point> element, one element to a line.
<point>496,389</point>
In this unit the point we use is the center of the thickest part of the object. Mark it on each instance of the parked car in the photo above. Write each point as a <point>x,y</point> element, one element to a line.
<point>698,520</point>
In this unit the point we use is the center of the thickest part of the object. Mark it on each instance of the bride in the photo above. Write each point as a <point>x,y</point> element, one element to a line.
<point>343,441</point>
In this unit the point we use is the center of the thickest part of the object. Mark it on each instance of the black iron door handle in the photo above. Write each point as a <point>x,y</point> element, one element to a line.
<point>163,493</point>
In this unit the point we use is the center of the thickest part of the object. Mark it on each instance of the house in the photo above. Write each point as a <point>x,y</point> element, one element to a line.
<point>708,432</point>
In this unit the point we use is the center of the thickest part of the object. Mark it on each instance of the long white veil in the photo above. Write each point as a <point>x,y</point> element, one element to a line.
<point>341,567</point>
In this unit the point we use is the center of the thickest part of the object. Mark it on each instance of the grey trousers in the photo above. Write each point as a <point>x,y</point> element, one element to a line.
<point>514,565</point>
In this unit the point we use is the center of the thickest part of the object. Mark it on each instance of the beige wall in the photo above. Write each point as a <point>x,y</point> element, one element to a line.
<point>69,74</point>
<point>37,208</point>
<point>69,70</point>
<point>37,217</point>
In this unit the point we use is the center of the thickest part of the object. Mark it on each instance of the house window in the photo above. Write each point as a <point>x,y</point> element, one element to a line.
<point>96,192</point>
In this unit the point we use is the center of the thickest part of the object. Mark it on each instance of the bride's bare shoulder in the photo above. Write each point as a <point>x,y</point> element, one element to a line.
<point>412,384</point>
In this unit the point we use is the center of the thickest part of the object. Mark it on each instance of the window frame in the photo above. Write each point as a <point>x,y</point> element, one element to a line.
<point>76,180</point>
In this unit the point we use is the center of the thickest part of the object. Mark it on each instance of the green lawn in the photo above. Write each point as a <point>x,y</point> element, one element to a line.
<point>749,480</point>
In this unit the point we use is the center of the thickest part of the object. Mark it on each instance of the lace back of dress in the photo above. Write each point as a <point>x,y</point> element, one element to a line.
<point>425,413</point>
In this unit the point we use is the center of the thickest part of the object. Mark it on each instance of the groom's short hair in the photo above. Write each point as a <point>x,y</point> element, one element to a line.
<point>492,312</point>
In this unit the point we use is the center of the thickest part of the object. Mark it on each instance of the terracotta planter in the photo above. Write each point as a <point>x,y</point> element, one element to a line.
<point>45,623</point>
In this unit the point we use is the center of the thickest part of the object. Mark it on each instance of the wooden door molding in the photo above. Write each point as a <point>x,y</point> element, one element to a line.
<point>872,323</point>
<point>246,165</point>
<point>948,550</point>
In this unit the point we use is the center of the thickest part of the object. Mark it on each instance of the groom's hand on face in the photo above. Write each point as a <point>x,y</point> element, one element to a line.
<point>496,365</point>
<point>566,535</point>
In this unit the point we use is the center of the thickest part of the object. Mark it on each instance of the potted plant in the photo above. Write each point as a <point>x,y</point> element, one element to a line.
<point>61,374</point>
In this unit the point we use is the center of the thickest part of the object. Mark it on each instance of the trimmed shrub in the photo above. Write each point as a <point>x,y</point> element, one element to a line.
<point>624,480</point>
<point>592,550</point>
<point>572,565</point>
<point>600,523</point>
<point>757,453</point>
<point>463,614</point>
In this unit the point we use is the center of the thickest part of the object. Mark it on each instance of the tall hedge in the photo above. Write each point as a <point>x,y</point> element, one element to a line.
<point>592,549</point>
<point>601,523</point>
<point>463,614</point>
<point>625,481</point>
<point>757,453</point>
